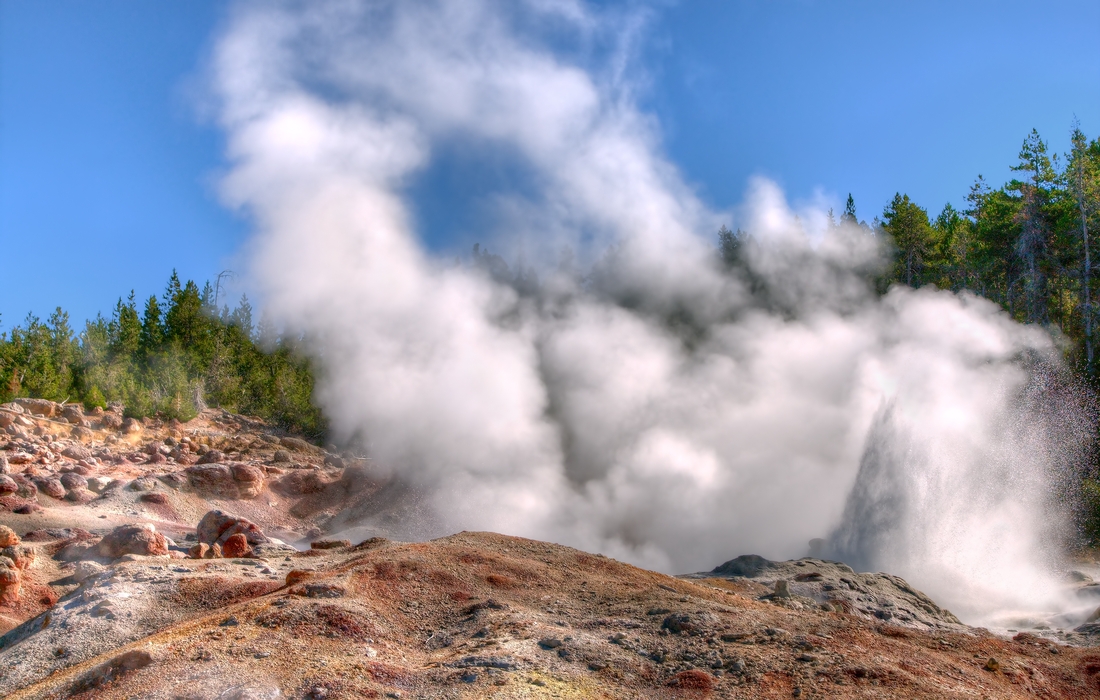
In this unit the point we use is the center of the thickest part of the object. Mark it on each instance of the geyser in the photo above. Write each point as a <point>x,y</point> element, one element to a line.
<point>643,401</point>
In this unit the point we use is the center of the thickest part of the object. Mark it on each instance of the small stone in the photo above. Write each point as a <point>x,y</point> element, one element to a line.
<point>781,589</point>
<point>281,456</point>
<point>550,643</point>
<point>992,665</point>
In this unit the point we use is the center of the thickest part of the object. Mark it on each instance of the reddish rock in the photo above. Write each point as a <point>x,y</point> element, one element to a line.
<point>73,480</point>
<point>226,481</point>
<point>27,488</point>
<point>9,581</point>
<point>110,671</point>
<point>7,485</point>
<point>8,538</point>
<point>132,539</point>
<point>76,452</point>
<point>39,407</point>
<point>50,486</point>
<point>218,526</point>
<point>79,495</point>
<point>211,457</point>
<point>329,544</point>
<point>158,498</point>
<point>236,546</point>
<point>300,483</point>
<point>205,551</point>
<point>21,555</point>
<point>27,509</point>
<point>110,421</point>
<point>132,426</point>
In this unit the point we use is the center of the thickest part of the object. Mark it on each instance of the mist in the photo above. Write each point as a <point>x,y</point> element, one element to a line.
<point>640,400</point>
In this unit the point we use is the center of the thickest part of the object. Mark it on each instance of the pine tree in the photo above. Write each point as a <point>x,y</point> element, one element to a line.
<point>152,328</point>
<point>909,230</point>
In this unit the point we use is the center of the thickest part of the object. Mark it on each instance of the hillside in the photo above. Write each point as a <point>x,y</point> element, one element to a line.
<point>106,612</point>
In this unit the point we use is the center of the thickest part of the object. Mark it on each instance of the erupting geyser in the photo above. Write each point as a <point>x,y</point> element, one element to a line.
<point>641,400</point>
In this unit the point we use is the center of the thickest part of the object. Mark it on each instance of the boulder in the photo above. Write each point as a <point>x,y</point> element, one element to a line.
<point>99,484</point>
<point>76,452</point>
<point>218,526</point>
<point>7,485</point>
<point>73,413</point>
<point>72,480</point>
<point>50,486</point>
<point>250,480</point>
<point>6,419</point>
<point>8,538</point>
<point>205,551</point>
<point>85,570</point>
<point>110,421</point>
<point>227,481</point>
<point>236,546</point>
<point>21,555</point>
<point>9,581</point>
<point>281,456</point>
<point>4,468</point>
<point>132,426</point>
<point>297,444</point>
<point>143,540</point>
<point>27,488</point>
<point>211,457</point>
<point>300,483</point>
<point>11,407</point>
<point>79,495</point>
<point>39,407</point>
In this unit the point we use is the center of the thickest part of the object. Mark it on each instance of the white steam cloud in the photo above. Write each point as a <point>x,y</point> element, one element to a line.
<point>657,408</point>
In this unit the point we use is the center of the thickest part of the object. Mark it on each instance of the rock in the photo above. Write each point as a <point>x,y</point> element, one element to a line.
<point>10,581</point>
<point>21,555</point>
<point>85,570</point>
<point>76,452</point>
<point>227,481</point>
<point>82,433</point>
<point>4,468</point>
<point>132,426</point>
<point>145,483</point>
<point>73,413</point>
<point>992,665</point>
<point>748,565</point>
<point>12,407</point>
<point>50,486</point>
<point>251,692</point>
<point>110,421</point>
<point>99,484</point>
<point>680,623</point>
<point>27,488</point>
<point>39,407</point>
<point>205,551</point>
<point>782,590</point>
<point>300,483</point>
<point>79,495</point>
<point>7,485</point>
<point>329,544</point>
<point>217,526</point>
<point>72,480</point>
<point>109,671</point>
<point>297,444</point>
<point>236,546</point>
<point>132,539</point>
<point>77,551</point>
<point>332,460</point>
<point>320,590</point>
<point>158,498</point>
<point>8,538</point>
<point>27,509</point>
<point>550,643</point>
<point>250,480</point>
<point>281,456</point>
<point>211,457</point>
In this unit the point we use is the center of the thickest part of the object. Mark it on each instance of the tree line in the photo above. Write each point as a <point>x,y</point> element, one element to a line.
<point>175,356</point>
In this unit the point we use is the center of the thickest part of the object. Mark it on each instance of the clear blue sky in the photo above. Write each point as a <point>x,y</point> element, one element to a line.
<point>107,174</point>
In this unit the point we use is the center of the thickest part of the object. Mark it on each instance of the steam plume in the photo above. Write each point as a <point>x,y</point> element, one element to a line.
<point>655,408</point>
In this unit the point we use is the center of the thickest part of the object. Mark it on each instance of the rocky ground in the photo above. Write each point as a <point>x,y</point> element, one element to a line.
<point>167,560</point>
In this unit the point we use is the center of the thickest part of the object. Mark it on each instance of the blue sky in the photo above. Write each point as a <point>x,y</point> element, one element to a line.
<point>107,171</point>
